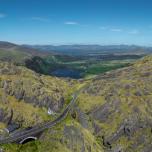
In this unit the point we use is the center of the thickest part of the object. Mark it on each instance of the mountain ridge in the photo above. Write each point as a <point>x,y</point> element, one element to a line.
<point>88,49</point>
<point>13,52</point>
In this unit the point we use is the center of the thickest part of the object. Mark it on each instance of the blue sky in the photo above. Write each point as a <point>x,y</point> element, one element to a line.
<point>76,21</point>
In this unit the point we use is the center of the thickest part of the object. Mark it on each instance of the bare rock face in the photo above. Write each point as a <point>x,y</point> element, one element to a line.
<point>33,88</point>
<point>81,117</point>
<point>102,113</point>
<point>30,95</point>
<point>2,115</point>
<point>75,138</point>
<point>5,115</point>
<point>36,96</point>
<point>122,122</point>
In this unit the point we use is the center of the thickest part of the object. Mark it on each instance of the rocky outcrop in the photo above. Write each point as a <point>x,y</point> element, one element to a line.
<point>38,96</point>
<point>81,117</point>
<point>6,115</point>
<point>75,138</point>
<point>122,121</point>
<point>30,95</point>
<point>30,87</point>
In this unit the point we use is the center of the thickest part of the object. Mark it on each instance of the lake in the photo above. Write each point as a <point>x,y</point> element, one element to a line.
<point>75,74</point>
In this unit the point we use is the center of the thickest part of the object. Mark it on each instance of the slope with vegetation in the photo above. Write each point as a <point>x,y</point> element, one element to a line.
<point>17,53</point>
<point>119,104</point>
<point>112,114</point>
<point>29,94</point>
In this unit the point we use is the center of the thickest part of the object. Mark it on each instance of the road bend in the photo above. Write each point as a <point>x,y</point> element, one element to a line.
<point>22,134</point>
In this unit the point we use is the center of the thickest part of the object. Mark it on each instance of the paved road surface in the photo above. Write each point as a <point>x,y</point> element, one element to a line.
<point>22,134</point>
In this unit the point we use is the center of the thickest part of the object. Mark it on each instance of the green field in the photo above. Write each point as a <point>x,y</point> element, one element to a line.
<point>95,67</point>
<point>85,68</point>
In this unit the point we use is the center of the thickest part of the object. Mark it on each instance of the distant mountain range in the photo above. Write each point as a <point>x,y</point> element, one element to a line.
<point>19,53</point>
<point>93,49</point>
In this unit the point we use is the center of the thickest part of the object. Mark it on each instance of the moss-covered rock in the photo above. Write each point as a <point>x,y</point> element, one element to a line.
<point>122,111</point>
<point>112,114</point>
<point>30,95</point>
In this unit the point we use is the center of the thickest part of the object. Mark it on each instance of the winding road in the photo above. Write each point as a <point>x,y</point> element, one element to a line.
<point>24,133</point>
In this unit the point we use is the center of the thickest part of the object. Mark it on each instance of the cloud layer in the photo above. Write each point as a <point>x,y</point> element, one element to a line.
<point>116,30</point>
<point>71,23</point>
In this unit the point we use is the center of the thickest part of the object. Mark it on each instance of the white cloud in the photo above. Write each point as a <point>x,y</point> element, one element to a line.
<point>116,30</point>
<point>2,15</point>
<point>71,23</point>
<point>41,19</point>
<point>134,32</point>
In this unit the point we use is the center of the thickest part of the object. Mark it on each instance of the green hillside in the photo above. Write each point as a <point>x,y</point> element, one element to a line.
<point>113,113</point>
<point>17,53</point>
<point>119,103</point>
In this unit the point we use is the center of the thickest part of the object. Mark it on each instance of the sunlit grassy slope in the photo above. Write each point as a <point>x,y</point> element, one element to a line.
<point>119,103</point>
<point>14,55</point>
<point>113,113</point>
<point>30,95</point>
